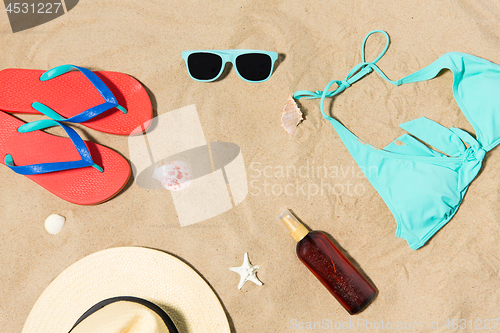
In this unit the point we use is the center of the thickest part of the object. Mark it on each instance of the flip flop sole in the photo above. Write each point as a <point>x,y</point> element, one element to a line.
<point>71,94</point>
<point>83,186</point>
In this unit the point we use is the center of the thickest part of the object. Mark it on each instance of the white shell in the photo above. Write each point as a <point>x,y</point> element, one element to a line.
<point>291,116</point>
<point>54,223</point>
<point>174,176</point>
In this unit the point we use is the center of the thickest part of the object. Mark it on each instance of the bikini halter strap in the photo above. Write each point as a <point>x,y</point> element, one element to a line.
<point>358,72</point>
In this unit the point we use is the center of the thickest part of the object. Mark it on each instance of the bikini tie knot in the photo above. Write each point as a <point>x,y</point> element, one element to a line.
<point>356,73</point>
<point>475,154</point>
<point>345,83</point>
<point>473,159</point>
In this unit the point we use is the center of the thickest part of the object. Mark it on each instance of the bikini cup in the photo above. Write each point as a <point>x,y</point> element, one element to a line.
<point>423,187</point>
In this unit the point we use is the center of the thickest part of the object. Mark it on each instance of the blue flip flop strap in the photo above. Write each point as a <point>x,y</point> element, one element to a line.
<point>107,95</point>
<point>35,169</point>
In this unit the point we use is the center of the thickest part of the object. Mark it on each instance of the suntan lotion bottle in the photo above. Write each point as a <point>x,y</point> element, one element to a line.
<point>330,266</point>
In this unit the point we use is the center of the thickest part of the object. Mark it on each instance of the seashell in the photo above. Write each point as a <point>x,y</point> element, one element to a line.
<point>291,116</point>
<point>174,176</point>
<point>54,223</point>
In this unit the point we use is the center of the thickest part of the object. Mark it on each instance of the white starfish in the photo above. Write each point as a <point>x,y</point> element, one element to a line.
<point>247,272</point>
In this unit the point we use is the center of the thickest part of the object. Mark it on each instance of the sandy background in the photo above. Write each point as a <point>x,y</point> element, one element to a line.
<point>455,276</point>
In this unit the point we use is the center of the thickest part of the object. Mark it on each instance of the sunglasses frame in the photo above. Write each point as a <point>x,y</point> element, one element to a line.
<point>230,56</point>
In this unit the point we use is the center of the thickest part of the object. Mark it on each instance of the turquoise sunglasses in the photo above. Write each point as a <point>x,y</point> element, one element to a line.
<point>251,65</point>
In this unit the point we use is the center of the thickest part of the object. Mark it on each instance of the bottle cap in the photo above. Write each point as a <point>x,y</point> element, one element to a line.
<point>297,229</point>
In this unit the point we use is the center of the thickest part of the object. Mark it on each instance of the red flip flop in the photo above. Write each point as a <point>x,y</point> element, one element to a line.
<point>93,175</point>
<point>109,102</point>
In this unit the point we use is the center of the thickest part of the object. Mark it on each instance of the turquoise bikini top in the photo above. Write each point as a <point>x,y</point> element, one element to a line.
<point>424,187</point>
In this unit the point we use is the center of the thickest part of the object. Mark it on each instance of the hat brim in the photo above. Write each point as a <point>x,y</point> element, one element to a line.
<point>128,271</point>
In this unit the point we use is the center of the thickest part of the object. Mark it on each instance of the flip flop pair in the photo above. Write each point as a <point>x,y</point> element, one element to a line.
<point>75,170</point>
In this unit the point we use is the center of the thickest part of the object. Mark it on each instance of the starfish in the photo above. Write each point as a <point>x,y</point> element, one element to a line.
<point>247,272</point>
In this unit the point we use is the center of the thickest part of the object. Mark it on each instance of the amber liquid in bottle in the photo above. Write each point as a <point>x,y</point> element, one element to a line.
<point>330,266</point>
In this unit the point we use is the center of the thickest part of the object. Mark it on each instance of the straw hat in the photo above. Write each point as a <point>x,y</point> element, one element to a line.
<point>144,273</point>
<point>125,314</point>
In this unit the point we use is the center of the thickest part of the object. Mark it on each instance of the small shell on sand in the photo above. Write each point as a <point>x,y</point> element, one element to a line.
<point>291,116</point>
<point>174,176</point>
<point>54,223</point>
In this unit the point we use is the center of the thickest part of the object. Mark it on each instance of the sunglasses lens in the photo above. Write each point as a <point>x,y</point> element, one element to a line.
<point>254,66</point>
<point>204,66</point>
